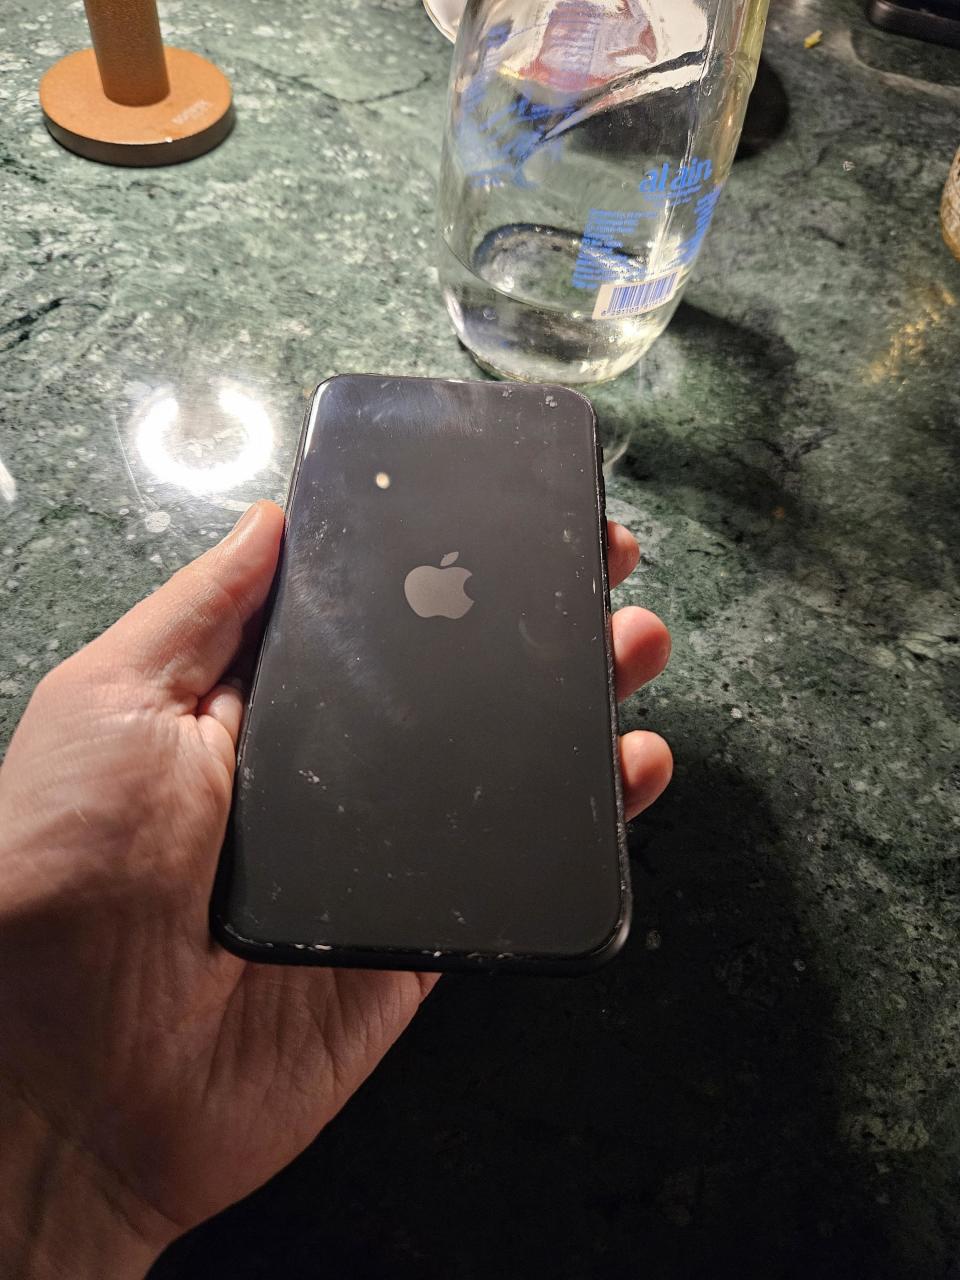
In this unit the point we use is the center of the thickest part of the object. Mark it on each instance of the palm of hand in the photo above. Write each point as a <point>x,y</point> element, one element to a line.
<point>184,1075</point>
<point>201,1075</point>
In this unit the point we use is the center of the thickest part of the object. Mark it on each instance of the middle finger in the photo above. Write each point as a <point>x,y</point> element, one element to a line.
<point>641,647</point>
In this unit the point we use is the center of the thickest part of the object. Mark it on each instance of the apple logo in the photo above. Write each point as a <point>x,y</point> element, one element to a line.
<point>433,592</point>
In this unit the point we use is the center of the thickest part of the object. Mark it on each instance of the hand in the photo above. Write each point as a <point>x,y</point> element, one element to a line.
<point>147,1077</point>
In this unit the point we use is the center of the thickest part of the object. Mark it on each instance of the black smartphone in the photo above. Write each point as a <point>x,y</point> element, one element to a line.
<point>428,768</point>
<point>936,21</point>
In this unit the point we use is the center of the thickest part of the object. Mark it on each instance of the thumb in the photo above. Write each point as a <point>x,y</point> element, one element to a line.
<point>186,634</point>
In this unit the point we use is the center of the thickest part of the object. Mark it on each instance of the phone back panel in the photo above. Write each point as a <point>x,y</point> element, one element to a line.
<point>420,785</point>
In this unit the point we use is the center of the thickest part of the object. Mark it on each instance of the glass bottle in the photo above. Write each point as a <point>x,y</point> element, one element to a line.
<point>586,146</point>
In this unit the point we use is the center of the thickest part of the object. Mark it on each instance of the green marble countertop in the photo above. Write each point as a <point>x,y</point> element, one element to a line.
<point>767,1082</point>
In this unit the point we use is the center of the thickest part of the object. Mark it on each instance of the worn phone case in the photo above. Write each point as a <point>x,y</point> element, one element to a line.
<point>428,768</point>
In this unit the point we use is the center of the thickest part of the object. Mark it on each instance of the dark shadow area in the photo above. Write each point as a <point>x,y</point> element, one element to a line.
<point>767,114</point>
<point>708,413</point>
<point>629,129</point>
<point>758,382</point>
<point>719,426</point>
<point>718,420</point>
<point>907,52</point>
<point>672,1116</point>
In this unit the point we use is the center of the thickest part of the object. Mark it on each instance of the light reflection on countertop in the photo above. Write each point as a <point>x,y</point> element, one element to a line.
<point>203,453</point>
<point>8,486</point>
<point>927,308</point>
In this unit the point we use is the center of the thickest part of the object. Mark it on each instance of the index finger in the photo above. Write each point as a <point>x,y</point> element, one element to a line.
<point>623,554</point>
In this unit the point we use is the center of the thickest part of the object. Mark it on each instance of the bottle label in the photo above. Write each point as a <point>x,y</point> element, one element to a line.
<point>624,286</point>
<point>621,300</point>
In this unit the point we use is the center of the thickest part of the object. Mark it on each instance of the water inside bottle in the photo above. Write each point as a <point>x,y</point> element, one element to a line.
<point>498,310</point>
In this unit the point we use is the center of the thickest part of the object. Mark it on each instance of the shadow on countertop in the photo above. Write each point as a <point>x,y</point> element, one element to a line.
<point>719,419</point>
<point>670,1117</point>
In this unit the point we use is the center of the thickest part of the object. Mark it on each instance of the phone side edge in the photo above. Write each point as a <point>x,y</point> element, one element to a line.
<point>586,962</point>
<point>220,926</point>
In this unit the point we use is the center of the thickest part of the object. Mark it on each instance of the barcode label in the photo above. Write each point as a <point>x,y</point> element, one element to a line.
<point>634,299</point>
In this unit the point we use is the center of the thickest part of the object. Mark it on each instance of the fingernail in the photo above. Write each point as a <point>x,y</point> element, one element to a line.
<point>244,520</point>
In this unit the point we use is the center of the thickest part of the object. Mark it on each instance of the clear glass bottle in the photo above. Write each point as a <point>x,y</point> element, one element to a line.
<point>586,146</point>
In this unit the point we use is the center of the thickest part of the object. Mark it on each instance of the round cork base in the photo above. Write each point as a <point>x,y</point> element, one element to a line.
<point>194,117</point>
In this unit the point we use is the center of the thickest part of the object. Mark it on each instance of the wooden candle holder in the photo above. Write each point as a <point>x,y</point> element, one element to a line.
<point>129,100</point>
